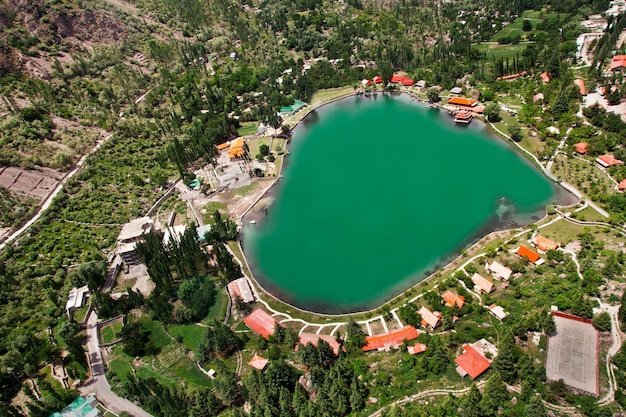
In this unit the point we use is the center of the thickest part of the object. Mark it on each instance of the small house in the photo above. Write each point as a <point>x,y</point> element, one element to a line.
<point>258,362</point>
<point>581,86</point>
<point>618,63</point>
<point>607,161</point>
<point>240,288</point>
<point>456,90</point>
<point>366,83</point>
<point>498,312</point>
<point>377,79</point>
<point>621,186</point>
<point>545,77</point>
<point>463,102</point>
<point>451,299</point>
<point>416,348</point>
<point>530,255</point>
<point>481,283</point>
<point>544,244</point>
<point>472,362</point>
<point>499,271</point>
<point>391,339</point>
<point>430,319</point>
<point>581,147</point>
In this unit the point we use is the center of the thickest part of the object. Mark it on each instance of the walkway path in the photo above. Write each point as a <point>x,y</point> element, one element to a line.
<point>48,201</point>
<point>98,385</point>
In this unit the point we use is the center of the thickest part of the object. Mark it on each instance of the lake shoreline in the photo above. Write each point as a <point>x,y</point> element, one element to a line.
<point>395,291</point>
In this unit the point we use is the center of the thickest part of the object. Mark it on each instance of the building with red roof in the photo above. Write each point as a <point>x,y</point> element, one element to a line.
<point>416,348</point>
<point>618,63</point>
<point>261,323</point>
<point>451,299</point>
<point>581,147</point>
<point>621,186</point>
<point>545,77</point>
<point>462,101</point>
<point>378,79</point>
<point>258,362</point>
<point>481,283</point>
<point>607,161</point>
<point>366,82</point>
<point>313,338</point>
<point>391,339</point>
<point>472,363</point>
<point>581,86</point>
<point>400,79</point>
<point>530,255</point>
<point>544,244</point>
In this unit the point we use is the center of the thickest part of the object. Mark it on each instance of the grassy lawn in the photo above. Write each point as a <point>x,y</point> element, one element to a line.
<point>158,337</point>
<point>330,94</point>
<point>218,310</point>
<point>121,368</point>
<point>247,128</point>
<point>565,232</point>
<point>187,370</point>
<point>590,215</point>
<point>121,285</point>
<point>111,332</point>
<point>79,314</point>
<point>189,334</point>
<point>211,207</point>
<point>531,144</point>
<point>255,143</point>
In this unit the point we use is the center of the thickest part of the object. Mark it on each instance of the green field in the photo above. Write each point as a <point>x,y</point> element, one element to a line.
<point>190,335</point>
<point>247,129</point>
<point>111,332</point>
<point>500,51</point>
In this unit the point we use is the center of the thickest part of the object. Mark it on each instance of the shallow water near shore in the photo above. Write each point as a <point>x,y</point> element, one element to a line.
<point>378,192</point>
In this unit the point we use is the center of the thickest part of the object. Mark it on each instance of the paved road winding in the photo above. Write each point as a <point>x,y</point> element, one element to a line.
<point>98,385</point>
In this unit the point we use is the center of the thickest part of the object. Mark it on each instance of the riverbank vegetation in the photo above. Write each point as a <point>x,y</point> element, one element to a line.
<point>169,81</point>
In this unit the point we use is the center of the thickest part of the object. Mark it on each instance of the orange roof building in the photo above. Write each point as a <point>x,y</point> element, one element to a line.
<point>618,63</point>
<point>581,86</point>
<point>416,348</point>
<point>365,82</point>
<point>621,186</point>
<point>512,76</point>
<point>391,339</point>
<point>451,299</point>
<point>429,319</point>
<point>530,255</point>
<point>222,146</point>
<point>237,148</point>
<point>378,79</point>
<point>313,338</point>
<point>258,362</point>
<point>544,244</point>
<point>472,362</point>
<point>261,323</point>
<point>581,147</point>
<point>607,161</point>
<point>461,101</point>
<point>481,283</point>
<point>545,77</point>
<point>499,271</point>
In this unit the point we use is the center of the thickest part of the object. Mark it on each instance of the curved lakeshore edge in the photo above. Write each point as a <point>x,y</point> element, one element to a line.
<point>471,245</point>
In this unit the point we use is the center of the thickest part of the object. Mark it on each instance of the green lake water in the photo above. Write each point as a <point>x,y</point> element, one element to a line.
<point>379,192</point>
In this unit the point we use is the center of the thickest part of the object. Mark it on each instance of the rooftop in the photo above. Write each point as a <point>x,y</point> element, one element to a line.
<point>135,228</point>
<point>416,348</point>
<point>544,244</point>
<point>472,362</point>
<point>529,254</point>
<point>314,338</point>
<point>453,299</point>
<point>261,323</point>
<point>429,318</point>
<point>581,147</point>
<point>482,283</point>
<point>241,288</point>
<point>258,362</point>
<point>461,101</point>
<point>391,339</point>
<point>500,271</point>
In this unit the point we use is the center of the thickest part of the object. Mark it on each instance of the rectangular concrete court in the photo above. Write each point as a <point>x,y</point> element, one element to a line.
<point>573,353</point>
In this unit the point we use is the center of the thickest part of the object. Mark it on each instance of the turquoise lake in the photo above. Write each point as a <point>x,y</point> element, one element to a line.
<point>377,193</point>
